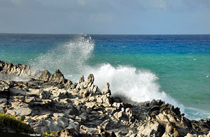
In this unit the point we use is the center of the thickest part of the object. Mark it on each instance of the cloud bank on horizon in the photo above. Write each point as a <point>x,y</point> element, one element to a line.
<point>105,17</point>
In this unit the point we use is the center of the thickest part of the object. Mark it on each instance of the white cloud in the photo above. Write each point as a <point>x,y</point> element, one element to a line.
<point>108,16</point>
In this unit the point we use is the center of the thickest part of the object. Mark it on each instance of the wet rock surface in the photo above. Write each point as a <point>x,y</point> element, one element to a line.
<point>49,102</point>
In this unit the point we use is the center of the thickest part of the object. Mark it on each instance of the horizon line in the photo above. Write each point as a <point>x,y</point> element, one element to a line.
<point>95,34</point>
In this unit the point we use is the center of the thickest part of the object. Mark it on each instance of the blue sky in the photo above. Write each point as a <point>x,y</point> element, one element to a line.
<point>105,16</point>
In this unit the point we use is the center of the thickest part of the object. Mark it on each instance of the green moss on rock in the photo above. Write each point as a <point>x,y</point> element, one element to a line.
<point>14,123</point>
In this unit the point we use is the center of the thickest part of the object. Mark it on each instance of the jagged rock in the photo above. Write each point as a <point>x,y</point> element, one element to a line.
<point>107,101</point>
<point>19,109</point>
<point>151,128</point>
<point>44,95</point>
<point>68,83</point>
<point>51,102</point>
<point>87,130</point>
<point>90,80</point>
<point>34,92</point>
<point>128,112</point>
<point>57,77</point>
<point>161,117</point>
<point>83,93</point>
<point>104,124</point>
<point>170,130</point>
<point>99,99</point>
<point>96,90</point>
<point>117,105</point>
<point>73,124</point>
<point>26,71</point>
<point>106,90</point>
<point>18,70</point>
<point>68,132</point>
<point>110,110</point>
<point>29,99</point>
<point>62,122</point>
<point>6,65</point>
<point>168,108</point>
<point>118,115</point>
<point>106,134</point>
<point>82,79</point>
<point>45,76</point>
<point>19,98</point>
<point>92,99</point>
<point>73,86</point>
<point>90,104</point>
<point>3,102</point>
<point>57,124</point>
<point>4,86</point>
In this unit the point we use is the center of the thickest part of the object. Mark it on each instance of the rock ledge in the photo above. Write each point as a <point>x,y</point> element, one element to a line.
<point>49,102</point>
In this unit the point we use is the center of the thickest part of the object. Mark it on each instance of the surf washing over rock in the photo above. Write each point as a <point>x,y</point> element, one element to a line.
<point>50,102</point>
<point>175,65</point>
<point>127,82</point>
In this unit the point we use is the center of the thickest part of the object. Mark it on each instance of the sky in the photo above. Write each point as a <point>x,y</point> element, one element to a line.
<point>105,16</point>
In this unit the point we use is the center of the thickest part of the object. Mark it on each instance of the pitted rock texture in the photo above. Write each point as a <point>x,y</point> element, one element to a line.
<point>49,102</point>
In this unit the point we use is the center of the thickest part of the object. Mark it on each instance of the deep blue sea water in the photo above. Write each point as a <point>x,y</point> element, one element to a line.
<point>174,68</point>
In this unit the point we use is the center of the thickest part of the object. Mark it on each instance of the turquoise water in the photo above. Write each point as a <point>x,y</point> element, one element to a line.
<point>174,68</point>
<point>184,77</point>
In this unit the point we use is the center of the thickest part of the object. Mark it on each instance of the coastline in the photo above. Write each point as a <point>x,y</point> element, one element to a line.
<point>49,102</point>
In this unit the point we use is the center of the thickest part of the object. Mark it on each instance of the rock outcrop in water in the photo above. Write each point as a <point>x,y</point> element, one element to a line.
<point>49,102</point>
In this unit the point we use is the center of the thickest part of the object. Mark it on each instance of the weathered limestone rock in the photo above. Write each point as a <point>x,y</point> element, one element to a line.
<point>57,77</point>
<point>68,132</point>
<point>83,93</point>
<point>3,86</point>
<point>161,117</point>
<point>106,90</point>
<point>52,103</point>
<point>73,124</point>
<point>96,90</point>
<point>44,95</point>
<point>57,124</point>
<point>104,124</point>
<point>107,101</point>
<point>118,115</point>
<point>82,79</point>
<point>3,102</point>
<point>90,80</point>
<point>151,128</point>
<point>170,130</point>
<point>19,109</point>
<point>128,112</point>
<point>45,76</point>
<point>90,104</point>
<point>68,83</point>
<point>117,105</point>
<point>87,130</point>
<point>18,70</point>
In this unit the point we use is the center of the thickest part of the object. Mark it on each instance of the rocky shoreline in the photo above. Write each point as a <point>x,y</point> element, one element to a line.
<point>49,102</point>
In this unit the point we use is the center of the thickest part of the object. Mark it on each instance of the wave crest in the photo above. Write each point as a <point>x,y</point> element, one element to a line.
<point>129,82</point>
<point>69,58</point>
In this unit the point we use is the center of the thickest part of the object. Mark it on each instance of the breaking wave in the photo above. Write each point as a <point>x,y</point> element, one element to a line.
<point>129,82</point>
<point>70,58</point>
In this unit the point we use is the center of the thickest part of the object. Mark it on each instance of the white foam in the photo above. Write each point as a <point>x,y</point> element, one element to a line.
<point>10,77</point>
<point>196,114</point>
<point>70,58</point>
<point>135,85</point>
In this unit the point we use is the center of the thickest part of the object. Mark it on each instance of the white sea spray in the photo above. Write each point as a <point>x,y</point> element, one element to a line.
<point>128,82</point>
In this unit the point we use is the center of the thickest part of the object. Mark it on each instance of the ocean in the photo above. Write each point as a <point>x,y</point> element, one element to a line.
<point>173,68</point>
